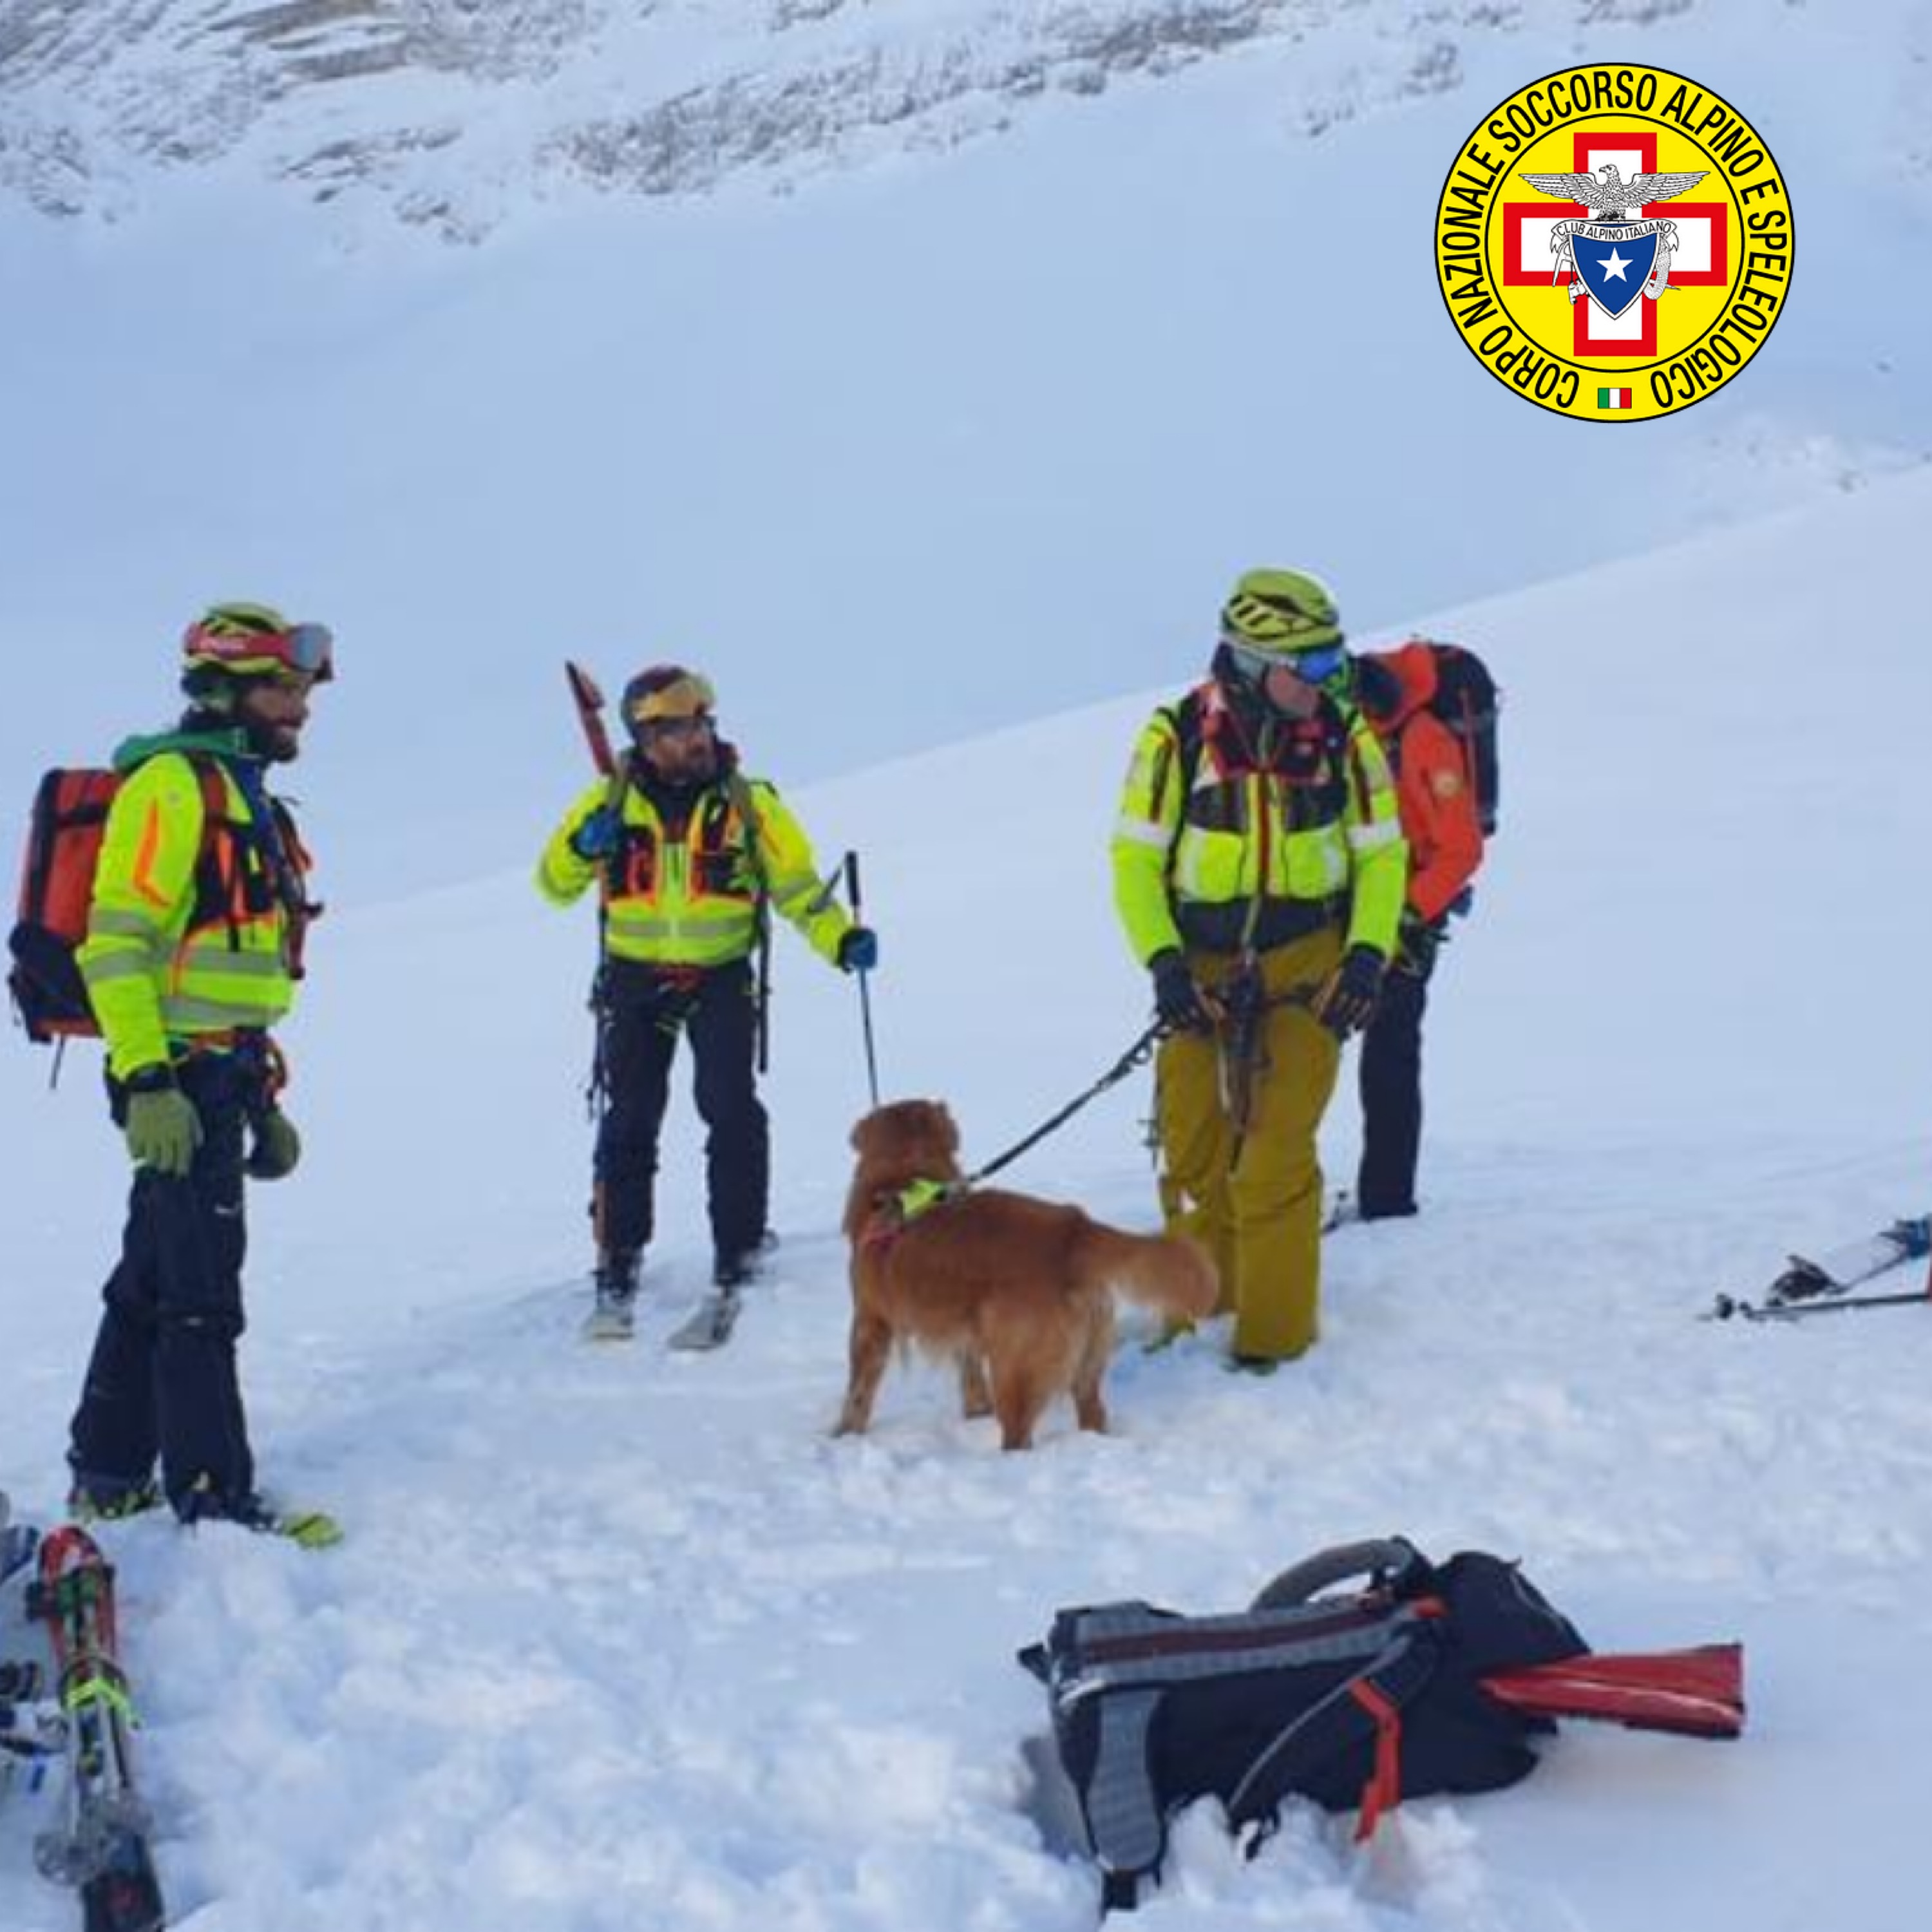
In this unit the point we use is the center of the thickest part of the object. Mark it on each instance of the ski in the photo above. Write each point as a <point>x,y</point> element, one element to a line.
<point>101,1846</point>
<point>1858,1262</point>
<point>30,1725</point>
<point>710,1323</point>
<point>612,1318</point>
<point>1806,1284</point>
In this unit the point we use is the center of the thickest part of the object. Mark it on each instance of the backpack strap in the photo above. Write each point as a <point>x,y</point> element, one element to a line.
<point>738,790</point>
<point>214,896</point>
<point>1368,1706</point>
<point>268,835</point>
<point>1124,1821</point>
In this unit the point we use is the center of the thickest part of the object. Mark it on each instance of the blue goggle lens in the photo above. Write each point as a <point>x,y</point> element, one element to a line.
<point>1311,667</point>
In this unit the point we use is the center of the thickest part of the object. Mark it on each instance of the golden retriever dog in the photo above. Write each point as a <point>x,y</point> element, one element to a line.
<point>1014,1290</point>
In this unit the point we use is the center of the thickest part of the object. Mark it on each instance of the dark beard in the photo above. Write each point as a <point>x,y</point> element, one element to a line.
<point>695,771</point>
<point>274,744</point>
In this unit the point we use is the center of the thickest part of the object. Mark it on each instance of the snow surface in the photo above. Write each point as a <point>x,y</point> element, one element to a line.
<point>623,1638</point>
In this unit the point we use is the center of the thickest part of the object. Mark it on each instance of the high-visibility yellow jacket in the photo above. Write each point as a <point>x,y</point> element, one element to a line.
<point>1240,827</point>
<point>685,890</point>
<point>194,928</point>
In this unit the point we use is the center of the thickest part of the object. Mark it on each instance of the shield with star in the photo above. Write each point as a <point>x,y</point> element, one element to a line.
<point>1613,266</point>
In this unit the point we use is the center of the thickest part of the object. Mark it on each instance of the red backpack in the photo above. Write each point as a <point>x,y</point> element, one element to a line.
<point>64,836</point>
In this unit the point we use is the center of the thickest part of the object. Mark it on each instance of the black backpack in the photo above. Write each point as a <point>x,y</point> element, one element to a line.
<point>1467,701</point>
<point>1356,1700</point>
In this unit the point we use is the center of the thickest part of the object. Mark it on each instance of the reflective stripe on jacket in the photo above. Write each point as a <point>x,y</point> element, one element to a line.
<point>187,934</point>
<point>1307,817</point>
<point>685,893</point>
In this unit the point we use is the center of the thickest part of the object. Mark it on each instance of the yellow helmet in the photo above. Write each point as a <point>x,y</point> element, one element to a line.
<point>1281,612</point>
<point>667,690</point>
<point>253,640</point>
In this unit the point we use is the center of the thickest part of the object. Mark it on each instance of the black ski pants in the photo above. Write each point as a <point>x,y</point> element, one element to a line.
<point>645,1011</point>
<point>1390,1075</point>
<point>162,1380</point>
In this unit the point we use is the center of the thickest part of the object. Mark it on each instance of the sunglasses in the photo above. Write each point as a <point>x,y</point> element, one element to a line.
<point>306,648</point>
<point>1311,667</point>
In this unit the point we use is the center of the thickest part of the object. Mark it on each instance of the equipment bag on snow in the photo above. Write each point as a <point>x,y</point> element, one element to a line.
<point>1355,1700</point>
<point>64,837</point>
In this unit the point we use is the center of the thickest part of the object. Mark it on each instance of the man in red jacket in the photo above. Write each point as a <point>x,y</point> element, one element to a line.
<point>1437,792</point>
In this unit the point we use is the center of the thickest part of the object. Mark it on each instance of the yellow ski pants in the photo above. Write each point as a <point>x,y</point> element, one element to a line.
<point>1256,1208</point>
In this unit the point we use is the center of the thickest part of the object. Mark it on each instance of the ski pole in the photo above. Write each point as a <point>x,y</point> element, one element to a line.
<point>589,700</point>
<point>864,991</point>
<point>1727,1305</point>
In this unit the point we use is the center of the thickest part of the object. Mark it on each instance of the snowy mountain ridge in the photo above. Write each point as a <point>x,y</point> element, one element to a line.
<point>448,112</point>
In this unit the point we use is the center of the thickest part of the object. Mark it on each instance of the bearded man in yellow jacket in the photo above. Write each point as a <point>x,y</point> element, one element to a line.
<point>1259,871</point>
<point>686,853</point>
<point>193,947</point>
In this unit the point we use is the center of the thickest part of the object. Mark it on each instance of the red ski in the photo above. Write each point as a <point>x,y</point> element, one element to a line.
<point>1697,1693</point>
<point>590,702</point>
<point>101,1846</point>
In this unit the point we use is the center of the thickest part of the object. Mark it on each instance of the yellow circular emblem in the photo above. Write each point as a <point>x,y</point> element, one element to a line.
<point>1614,242</point>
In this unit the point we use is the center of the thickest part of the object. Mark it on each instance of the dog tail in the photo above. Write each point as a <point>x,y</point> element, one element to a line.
<point>1169,1272</point>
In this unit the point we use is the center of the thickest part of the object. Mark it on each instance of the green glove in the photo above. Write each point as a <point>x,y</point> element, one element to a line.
<point>277,1147</point>
<point>162,1130</point>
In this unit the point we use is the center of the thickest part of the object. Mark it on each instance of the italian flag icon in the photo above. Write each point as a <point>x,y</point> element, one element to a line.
<point>1613,399</point>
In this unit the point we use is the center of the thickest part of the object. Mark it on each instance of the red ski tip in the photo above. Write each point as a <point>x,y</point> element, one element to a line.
<point>1698,1693</point>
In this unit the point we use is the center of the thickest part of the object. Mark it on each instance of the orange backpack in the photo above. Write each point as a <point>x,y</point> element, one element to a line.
<point>64,836</point>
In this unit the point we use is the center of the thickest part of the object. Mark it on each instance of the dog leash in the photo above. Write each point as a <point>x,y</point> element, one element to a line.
<point>896,1209</point>
<point>1137,1055</point>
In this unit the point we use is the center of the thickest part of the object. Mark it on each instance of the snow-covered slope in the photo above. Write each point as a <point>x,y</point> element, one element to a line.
<point>622,1638</point>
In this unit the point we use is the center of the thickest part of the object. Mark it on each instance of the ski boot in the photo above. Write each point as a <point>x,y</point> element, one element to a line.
<point>111,1499</point>
<point>311,1529</point>
<point>612,1316</point>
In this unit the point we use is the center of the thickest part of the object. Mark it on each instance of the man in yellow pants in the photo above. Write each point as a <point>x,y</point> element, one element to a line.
<point>1259,870</point>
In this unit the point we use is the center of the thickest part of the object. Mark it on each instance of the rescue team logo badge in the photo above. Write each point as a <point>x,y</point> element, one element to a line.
<point>1613,242</point>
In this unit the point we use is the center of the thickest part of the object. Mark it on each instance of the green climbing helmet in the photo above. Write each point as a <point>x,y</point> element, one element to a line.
<point>1281,614</point>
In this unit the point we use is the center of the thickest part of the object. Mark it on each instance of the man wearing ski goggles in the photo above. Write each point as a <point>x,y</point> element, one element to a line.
<point>1258,872</point>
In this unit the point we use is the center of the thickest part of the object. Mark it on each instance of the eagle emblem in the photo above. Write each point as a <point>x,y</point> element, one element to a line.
<point>1591,253</point>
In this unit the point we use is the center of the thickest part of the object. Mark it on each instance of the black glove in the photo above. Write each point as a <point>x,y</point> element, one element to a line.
<point>1347,1000</point>
<point>1417,940</point>
<point>277,1146</point>
<point>1177,999</point>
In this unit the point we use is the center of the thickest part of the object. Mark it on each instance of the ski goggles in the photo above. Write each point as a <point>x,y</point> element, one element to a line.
<point>685,703</point>
<point>1315,666</point>
<point>306,650</point>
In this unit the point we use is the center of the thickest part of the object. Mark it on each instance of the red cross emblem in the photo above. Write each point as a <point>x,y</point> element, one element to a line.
<point>1703,260</point>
